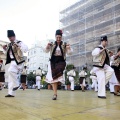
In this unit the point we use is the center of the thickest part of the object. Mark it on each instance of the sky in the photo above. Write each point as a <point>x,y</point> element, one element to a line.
<point>31,19</point>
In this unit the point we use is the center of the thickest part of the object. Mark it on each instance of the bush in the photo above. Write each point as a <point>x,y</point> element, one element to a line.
<point>31,78</point>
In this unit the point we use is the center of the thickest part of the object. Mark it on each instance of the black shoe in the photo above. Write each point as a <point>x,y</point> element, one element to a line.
<point>112,92</point>
<point>54,97</point>
<point>38,89</point>
<point>72,90</point>
<point>9,95</point>
<point>116,94</point>
<point>103,97</point>
<point>15,88</point>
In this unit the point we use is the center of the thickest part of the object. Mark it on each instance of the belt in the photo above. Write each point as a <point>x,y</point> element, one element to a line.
<point>71,76</point>
<point>12,59</point>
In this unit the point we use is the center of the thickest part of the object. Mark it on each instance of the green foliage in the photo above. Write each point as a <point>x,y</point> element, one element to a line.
<point>31,77</point>
<point>43,80</point>
<point>66,79</point>
<point>77,78</point>
<point>69,67</point>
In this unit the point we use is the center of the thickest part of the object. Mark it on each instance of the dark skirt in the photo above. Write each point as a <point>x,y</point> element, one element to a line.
<point>117,72</point>
<point>57,69</point>
<point>81,80</point>
<point>2,78</point>
<point>23,78</point>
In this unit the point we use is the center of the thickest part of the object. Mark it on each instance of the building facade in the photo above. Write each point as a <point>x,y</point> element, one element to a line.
<point>37,58</point>
<point>84,22</point>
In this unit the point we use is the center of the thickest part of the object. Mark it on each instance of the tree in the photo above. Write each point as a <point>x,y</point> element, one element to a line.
<point>31,78</point>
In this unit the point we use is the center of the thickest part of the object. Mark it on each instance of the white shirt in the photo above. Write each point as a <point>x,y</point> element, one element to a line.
<point>97,51</point>
<point>71,73</point>
<point>58,51</point>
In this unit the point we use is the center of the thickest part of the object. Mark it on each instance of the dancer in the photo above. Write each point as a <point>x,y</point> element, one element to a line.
<point>24,77</point>
<point>94,80</point>
<point>71,74</point>
<point>2,71</point>
<point>14,57</point>
<point>57,62</point>
<point>116,66</point>
<point>102,69</point>
<point>82,75</point>
<point>38,74</point>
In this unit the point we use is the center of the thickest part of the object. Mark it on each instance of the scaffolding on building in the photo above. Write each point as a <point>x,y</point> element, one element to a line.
<point>84,22</point>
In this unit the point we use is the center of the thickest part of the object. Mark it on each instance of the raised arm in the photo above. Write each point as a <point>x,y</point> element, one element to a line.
<point>69,50</point>
<point>97,51</point>
<point>22,46</point>
<point>48,47</point>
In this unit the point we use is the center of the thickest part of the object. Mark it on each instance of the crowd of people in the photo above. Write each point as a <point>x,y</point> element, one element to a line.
<point>106,67</point>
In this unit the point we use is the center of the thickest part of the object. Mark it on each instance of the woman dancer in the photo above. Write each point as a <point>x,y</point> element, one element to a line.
<point>57,63</point>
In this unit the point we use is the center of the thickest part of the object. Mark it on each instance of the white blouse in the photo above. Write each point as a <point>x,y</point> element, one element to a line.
<point>58,51</point>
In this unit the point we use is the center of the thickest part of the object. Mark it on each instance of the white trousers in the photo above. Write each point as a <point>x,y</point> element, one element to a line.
<point>95,85</point>
<point>38,78</point>
<point>94,82</point>
<point>6,72</point>
<point>111,87</point>
<point>103,76</point>
<point>71,79</point>
<point>13,72</point>
<point>113,81</point>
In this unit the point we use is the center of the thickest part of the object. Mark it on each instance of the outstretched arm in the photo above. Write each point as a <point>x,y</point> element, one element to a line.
<point>69,50</point>
<point>22,46</point>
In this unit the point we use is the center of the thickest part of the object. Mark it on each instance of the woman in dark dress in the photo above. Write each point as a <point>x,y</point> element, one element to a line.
<point>116,66</point>
<point>24,77</point>
<point>57,63</point>
<point>2,72</point>
<point>82,75</point>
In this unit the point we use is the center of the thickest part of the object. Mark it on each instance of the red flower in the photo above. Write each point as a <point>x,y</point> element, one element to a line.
<point>61,31</point>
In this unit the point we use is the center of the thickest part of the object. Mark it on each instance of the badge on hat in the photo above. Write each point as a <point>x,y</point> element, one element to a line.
<point>104,38</point>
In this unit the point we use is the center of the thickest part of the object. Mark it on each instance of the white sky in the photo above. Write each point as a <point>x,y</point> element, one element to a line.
<point>30,19</point>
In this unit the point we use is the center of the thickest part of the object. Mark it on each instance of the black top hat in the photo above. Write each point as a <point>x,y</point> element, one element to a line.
<point>25,67</point>
<point>59,32</point>
<point>74,67</point>
<point>10,33</point>
<point>39,68</point>
<point>84,68</point>
<point>104,38</point>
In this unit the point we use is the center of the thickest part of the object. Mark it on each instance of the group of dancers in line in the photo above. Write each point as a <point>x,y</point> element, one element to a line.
<point>102,71</point>
<point>106,68</point>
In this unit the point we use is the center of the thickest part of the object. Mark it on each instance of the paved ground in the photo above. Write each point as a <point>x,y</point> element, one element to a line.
<point>37,105</point>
